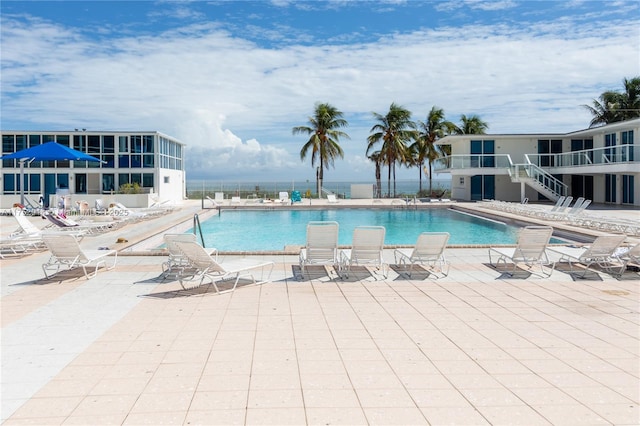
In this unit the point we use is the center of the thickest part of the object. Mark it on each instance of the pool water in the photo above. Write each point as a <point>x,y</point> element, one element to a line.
<point>262,230</point>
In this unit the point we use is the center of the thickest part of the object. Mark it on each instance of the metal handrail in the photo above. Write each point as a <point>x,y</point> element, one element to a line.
<point>196,225</point>
<point>545,179</point>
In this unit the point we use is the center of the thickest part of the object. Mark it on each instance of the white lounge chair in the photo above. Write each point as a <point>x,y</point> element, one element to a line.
<point>578,207</point>
<point>235,200</point>
<point>218,197</point>
<point>177,261</point>
<point>530,249</point>
<point>25,226</point>
<point>429,251</point>
<point>601,252</point>
<point>117,209</point>
<point>202,265</point>
<point>64,224</point>
<point>28,230</point>
<point>332,199</point>
<point>367,249</point>
<point>322,245</point>
<point>100,208</point>
<point>66,252</point>
<point>20,245</point>
<point>628,256</point>
<point>283,198</point>
<point>560,206</point>
<point>214,202</point>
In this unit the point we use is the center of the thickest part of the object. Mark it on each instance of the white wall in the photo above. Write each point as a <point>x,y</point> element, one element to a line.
<point>361,191</point>
<point>174,190</point>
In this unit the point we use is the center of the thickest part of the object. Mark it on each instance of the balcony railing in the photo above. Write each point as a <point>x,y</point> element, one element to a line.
<point>587,157</point>
<point>472,161</point>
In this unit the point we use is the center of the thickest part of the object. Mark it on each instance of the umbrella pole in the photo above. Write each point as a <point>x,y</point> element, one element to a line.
<point>21,182</point>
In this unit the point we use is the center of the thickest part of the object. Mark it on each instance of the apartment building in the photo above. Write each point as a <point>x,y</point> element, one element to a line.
<point>601,164</point>
<point>150,161</point>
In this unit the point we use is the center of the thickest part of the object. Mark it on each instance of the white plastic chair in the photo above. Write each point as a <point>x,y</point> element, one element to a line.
<point>66,252</point>
<point>429,251</point>
<point>322,245</point>
<point>530,249</point>
<point>601,252</point>
<point>177,261</point>
<point>202,265</point>
<point>367,249</point>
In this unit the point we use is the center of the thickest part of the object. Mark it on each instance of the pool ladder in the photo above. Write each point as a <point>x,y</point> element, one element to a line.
<point>196,225</point>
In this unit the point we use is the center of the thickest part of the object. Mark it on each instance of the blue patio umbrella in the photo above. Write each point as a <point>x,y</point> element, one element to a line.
<point>49,151</point>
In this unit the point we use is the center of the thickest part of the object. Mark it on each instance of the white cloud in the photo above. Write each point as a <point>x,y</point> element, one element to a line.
<point>234,103</point>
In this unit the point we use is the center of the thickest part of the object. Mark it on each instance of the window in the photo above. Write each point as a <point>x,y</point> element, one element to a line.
<point>108,182</point>
<point>136,161</point>
<point>147,180</point>
<point>136,144</point>
<point>123,178</point>
<point>147,142</point>
<point>63,140</point>
<point>170,154</point>
<point>123,144</point>
<point>34,182</point>
<point>9,183</point>
<point>93,144</point>
<point>486,150</point>
<point>609,188</point>
<point>8,144</point>
<point>548,147</point>
<point>123,161</point>
<point>108,144</point>
<point>81,183</point>
<point>34,140</point>
<point>610,140</point>
<point>628,189</point>
<point>109,161</point>
<point>79,142</point>
<point>147,161</point>
<point>626,138</point>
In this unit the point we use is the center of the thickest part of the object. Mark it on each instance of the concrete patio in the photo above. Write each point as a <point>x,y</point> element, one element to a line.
<point>476,347</point>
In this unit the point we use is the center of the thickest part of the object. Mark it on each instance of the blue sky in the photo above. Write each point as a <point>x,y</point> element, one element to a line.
<point>231,78</point>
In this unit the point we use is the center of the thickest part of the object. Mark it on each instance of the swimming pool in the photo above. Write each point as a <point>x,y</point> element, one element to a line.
<point>266,230</point>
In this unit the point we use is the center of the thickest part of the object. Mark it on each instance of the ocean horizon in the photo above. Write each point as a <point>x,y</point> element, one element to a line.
<point>342,188</point>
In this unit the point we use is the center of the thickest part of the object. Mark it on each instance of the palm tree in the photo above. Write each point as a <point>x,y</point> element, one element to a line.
<point>614,106</point>
<point>394,130</point>
<point>323,141</point>
<point>432,129</point>
<point>376,157</point>
<point>472,125</point>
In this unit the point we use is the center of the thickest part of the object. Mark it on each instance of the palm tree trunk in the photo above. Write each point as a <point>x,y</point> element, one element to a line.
<point>389,182</point>
<point>430,183</point>
<point>394,180</point>
<point>419,179</point>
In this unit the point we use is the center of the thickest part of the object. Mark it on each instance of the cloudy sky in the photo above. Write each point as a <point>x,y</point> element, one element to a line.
<point>231,78</point>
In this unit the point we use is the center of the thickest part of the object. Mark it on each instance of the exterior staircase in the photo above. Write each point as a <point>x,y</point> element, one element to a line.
<point>538,179</point>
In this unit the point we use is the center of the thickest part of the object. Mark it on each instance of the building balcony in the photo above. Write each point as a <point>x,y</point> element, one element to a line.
<point>612,159</point>
<point>474,164</point>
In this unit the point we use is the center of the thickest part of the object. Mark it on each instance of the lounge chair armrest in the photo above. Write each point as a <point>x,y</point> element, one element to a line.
<point>400,257</point>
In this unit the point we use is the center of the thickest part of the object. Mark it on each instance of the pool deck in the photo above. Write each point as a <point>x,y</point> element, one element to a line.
<point>475,347</point>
